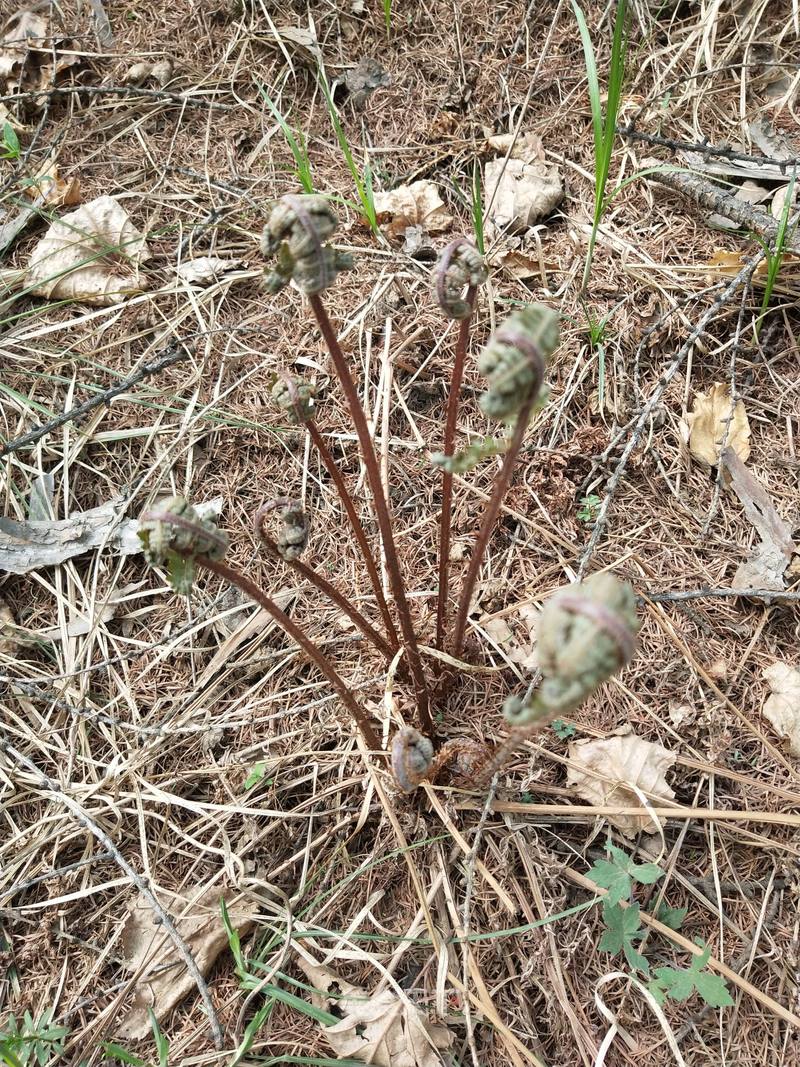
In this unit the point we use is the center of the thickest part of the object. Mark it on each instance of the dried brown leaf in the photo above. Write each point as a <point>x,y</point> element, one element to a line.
<point>380,1029</point>
<point>707,426</point>
<point>147,945</point>
<point>782,707</point>
<point>418,204</point>
<point>206,269</point>
<point>92,255</point>
<point>616,771</point>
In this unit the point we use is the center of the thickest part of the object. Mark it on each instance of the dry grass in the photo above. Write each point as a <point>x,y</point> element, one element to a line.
<point>151,716</point>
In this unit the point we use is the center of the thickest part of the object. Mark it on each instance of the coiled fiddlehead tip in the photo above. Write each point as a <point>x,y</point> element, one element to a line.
<point>515,360</point>
<point>297,229</point>
<point>174,534</point>
<point>459,265</point>
<point>411,758</point>
<point>295,399</point>
<point>293,533</point>
<point>586,633</point>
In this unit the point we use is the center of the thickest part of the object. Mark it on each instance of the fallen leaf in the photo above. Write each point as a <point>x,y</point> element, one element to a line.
<point>144,71</point>
<point>520,190</point>
<point>782,707</point>
<point>147,945</point>
<point>610,771</point>
<point>707,424</point>
<point>48,187</point>
<point>91,255</point>
<point>367,76</point>
<point>206,269</point>
<point>503,636</point>
<point>769,560</point>
<point>302,41</point>
<point>23,31</point>
<point>778,205</point>
<point>418,204</point>
<point>9,631</point>
<point>381,1029</point>
<point>29,546</point>
<point>728,264</point>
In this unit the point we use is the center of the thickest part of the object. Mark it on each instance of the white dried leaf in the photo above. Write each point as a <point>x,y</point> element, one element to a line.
<point>521,193</point>
<point>503,636</point>
<point>418,204</point>
<point>778,205</point>
<point>707,424</point>
<point>23,30</point>
<point>162,72</point>
<point>527,147</point>
<point>147,945</point>
<point>381,1029</point>
<point>782,707</point>
<point>206,269</point>
<point>615,771</point>
<point>138,73</point>
<point>92,255</point>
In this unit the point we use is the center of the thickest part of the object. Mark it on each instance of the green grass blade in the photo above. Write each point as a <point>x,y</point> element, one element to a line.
<point>364,190</point>
<point>477,208</point>
<point>591,78</point>
<point>298,149</point>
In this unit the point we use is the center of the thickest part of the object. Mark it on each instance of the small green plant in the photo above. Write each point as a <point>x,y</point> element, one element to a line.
<point>590,505</point>
<point>563,730</point>
<point>257,774</point>
<point>362,182</point>
<point>294,140</point>
<point>30,1041</point>
<point>476,204</point>
<point>122,1055</point>
<point>604,125</point>
<point>10,144</point>
<point>387,15</point>
<point>775,255</point>
<point>624,933</point>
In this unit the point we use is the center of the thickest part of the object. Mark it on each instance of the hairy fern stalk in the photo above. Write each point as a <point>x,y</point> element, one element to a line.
<point>587,631</point>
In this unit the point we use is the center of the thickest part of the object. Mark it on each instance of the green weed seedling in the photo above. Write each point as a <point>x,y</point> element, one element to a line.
<point>295,141</point>
<point>624,933</point>
<point>775,255</point>
<point>590,505</point>
<point>604,125</point>
<point>31,1042</point>
<point>10,143</point>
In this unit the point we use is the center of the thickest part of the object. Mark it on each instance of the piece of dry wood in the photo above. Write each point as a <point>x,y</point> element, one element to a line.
<point>28,546</point>
<point>767,563</point>
<point>715,199</point>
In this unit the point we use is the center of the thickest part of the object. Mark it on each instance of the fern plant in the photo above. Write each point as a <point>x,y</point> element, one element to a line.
<point>587,630</point>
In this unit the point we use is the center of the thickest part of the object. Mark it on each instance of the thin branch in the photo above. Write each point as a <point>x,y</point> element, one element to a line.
<point>703,594</point>
<point>742,278</point>
<point>176,353</point>
<point>381,510</point>
<point>119,90</point>
<point>164,917</point>
<point>707,150</point>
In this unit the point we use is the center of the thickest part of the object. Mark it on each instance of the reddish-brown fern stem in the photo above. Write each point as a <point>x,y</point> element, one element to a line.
<point>358,530</point>
<point>324,665</point>
<point>324,586</point>
<point>381,510</point>
<point>502,753</point>
<point>447,477</point>
<point>499,490</point>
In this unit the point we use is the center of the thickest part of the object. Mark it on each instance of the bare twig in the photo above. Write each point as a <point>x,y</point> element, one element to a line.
<point>120,90</point>
<point>176,353</point>
<point>165,918</point>
<point>706,149</point>
<point>722,298</point>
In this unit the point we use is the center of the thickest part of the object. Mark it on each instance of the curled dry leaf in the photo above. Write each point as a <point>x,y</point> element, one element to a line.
<point>92,255</point>
<point>523,188</point>
<point>48,187</point>
<point>728,264</point>
<point>782,707</point>
<point>418,204</point>
<point>24,31</point>
<point>31,57</point>
<point>140,73</point>
<point>610,771</point>
<point>380,1029</point>
<point>708,422</point>
<point>147,945</point>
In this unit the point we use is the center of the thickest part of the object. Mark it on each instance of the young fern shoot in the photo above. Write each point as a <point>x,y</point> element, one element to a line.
<point>459,265</point>
<point>174,535</point>
<point>297,229</point>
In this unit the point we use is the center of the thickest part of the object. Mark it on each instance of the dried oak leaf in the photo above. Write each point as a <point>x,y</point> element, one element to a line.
<point>707,424</point>
<point>615,771</point>
<point>48,187</point>
<point>725,264</point>
<point>380,1029</point>
<point>782,707</point>
<point>418,204</point>
<point>92,255</point>
<point>23,31</point>
<point>147,945</point>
